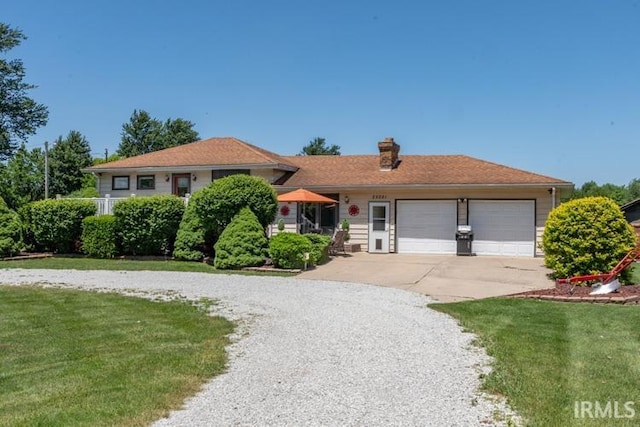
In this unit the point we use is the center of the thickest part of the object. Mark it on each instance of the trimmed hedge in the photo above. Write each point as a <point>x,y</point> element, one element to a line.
<point>287,250</point>
<point>215,206</point>
<point>57,224</point>
<point>99,236</point>
<point>10,231</point>
<point>148,225</point>
<point>320,248</point>
<point>586,236</point>
<point>242,244</point>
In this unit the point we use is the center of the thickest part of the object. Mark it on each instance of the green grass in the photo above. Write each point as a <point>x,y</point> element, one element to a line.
<point>81,358</point>
<point>550,355</point>
<point>80,263</point>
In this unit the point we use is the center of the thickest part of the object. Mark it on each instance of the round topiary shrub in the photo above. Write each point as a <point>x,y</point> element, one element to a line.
<point>223,199</point>
<point>212,208</point>
<point>287,250</point>
<point>242,244</point>
<point>10,231</point>
<point>586,236</point>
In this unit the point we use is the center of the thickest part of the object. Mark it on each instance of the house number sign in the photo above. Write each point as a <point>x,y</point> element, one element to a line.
<point>378,197</point>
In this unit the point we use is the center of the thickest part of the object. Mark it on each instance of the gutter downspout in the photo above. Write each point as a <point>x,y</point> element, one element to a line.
<point>553,197</point>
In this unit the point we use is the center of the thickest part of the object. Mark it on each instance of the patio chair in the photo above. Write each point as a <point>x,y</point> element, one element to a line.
<point>337,243</point>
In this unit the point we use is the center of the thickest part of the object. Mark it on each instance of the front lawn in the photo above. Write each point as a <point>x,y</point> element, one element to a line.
<point>82,358</point>
<point>80,263</point>
<point>548,356</point>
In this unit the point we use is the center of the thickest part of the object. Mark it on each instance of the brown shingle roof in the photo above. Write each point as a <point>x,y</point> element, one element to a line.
<point>224,151</point>
<point>343,171</point>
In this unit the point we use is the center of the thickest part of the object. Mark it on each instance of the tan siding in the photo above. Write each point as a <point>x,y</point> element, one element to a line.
<point>290,224</point>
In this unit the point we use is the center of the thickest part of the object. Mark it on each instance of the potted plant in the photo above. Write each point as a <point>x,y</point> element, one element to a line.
<point>348,247</point>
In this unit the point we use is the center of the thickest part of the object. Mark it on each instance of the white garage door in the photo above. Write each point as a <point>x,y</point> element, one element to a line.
<point>502,227</point>
<point>426,226</point>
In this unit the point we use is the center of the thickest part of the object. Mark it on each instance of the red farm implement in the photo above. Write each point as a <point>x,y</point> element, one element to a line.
<point>610,277</point>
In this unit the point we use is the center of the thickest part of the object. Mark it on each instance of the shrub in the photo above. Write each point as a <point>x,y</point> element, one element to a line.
<point>281,224</point>
<point>319,248</point>
<point>242,244</point>
<point>224,198</point>
<point>586,236</point>
<point>215,206</point>
<point>28,239</point>
<point>148,225</point>
<point>57,224</point>
<point>190,240</point>
<point>99,236</point>
<point>345,227</point>
<point>10,231</point>
<point>287,250</point>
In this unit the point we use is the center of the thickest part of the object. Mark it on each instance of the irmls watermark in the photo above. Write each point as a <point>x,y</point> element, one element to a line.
<point>606,409</point>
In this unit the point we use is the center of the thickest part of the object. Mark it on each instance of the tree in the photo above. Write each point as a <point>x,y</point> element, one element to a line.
<point>66,159</point>
<point>633,190</point>
<point>178,132</point>
<point>20,116</point>
<point>22,179</point>
<point>145,134</point>
<point>620,193</point>
<point>318,146</point>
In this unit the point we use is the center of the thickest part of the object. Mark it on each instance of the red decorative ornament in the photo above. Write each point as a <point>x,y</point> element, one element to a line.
<point>284,211</point>
<point>354,210</point>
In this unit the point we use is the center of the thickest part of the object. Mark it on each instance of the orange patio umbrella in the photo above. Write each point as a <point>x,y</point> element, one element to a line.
<point>304,196</point>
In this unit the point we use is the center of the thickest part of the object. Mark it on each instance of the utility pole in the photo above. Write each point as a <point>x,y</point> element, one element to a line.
<point>106,154</point>
<point>46,170</point>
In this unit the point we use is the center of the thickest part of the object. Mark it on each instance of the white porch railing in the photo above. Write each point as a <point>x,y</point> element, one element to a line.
<point>104,205</point>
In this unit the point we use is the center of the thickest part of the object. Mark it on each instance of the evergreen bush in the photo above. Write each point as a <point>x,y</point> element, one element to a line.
<point>242,244</point>
<point>10,231</point>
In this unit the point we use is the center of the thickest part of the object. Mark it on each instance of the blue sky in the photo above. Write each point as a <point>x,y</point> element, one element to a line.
<point>547,86</point>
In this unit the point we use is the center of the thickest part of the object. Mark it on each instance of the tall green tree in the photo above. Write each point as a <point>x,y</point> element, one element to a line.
<point>178,132</point>
<point>22,178</point>
<point>621,194</point>
<point>66,159</point>
<point>145,134</point>
<point>20,115</point>
<point>318,146</point>
<point>633,190</point>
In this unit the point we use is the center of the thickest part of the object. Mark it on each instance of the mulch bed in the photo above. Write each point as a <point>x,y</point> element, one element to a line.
<point>628,294</point>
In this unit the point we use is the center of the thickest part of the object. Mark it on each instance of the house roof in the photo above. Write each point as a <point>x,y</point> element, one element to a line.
<point>331,171</point>
<point>630,204</point>
<point>345,171</point>
<point>224,151</point>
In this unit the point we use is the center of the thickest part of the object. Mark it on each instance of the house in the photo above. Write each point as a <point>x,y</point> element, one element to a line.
<point>393,202</point>
<point>631,211</point>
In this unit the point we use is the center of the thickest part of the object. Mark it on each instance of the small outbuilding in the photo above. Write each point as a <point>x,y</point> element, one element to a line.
<point>632,210</point>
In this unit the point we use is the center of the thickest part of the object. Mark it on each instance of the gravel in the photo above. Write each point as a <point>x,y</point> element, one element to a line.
<point>310,352</point>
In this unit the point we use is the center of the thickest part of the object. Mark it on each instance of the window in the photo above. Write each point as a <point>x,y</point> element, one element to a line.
<point>120,183</point>
<point>221,173</point>
<point>146,182</point>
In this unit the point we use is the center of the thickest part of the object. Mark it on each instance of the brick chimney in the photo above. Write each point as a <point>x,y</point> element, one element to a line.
<point>388,154</point>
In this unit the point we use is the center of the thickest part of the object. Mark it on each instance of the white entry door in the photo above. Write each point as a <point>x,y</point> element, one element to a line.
<point>379,227</point>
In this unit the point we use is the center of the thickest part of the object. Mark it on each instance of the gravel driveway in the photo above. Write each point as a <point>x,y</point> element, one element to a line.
<point>318,353</point>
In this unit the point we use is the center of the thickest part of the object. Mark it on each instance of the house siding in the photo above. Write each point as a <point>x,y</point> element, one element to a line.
<point>359,223</point>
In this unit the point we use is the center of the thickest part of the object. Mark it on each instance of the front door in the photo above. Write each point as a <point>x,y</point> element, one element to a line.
<point>181,184</point>
<point>379,227</point>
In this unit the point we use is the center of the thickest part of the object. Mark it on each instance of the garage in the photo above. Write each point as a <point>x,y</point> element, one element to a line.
<point>503,227</point>
<point>426,226</point>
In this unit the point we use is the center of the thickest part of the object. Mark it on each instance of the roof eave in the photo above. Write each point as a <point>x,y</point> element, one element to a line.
<point>355,187</point>
<point>278,166</point>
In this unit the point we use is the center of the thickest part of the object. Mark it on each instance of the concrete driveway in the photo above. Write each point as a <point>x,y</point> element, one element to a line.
<point>446,278</point>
